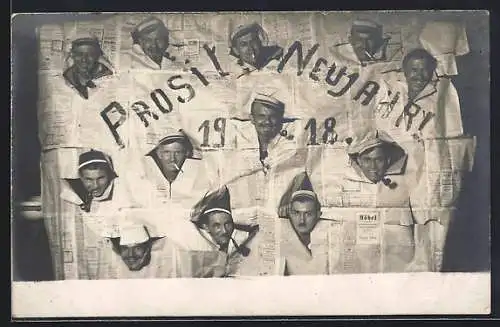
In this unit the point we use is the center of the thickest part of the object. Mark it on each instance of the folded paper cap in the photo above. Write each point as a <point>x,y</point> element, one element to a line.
<point>178,135</point>
<point>300,187</point>
<point>133,233</point>
<point>366,26</point>
<point>92,156</point>
<point>368,140</point>
<point>91,41</point>
<point>248,28</point>
<point>216,201</point>
<point>149,24</point>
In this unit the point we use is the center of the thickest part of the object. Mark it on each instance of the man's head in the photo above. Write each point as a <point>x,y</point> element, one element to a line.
<point>172,152</point>
<point>375,161</point>
<point>365,38</point>
<point>267,116</point>
<point>85,53</point>
<point>153,38</point>
<point>246,43</point>
<point>134,246</point>
<point>304,212</point>
<point>418,67</point>
<point>95,172</point>
<point>219,225</point>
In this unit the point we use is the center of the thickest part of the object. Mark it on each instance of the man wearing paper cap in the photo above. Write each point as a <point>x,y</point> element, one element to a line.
<point>211,244</point>
<point>95,180</point>
<point>249,44</point>
<point>380,181</point>
<point>420,105</point>
<point>266,128</point>
<point>150,43</point>
<point>304,242</point>
<point>176,170</point>
<point>367,45</point>
<point>88,64</point>
<point>134,245</point>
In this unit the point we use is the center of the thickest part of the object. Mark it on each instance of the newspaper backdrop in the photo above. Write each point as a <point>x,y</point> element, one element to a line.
<point>329,96</point>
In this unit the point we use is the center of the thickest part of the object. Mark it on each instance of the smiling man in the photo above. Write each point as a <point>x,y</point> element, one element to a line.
<point>150,43</point>
<point>418,67</point>
<point>88,64</point>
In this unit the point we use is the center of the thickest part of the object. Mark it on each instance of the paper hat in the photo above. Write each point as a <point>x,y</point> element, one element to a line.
<point>92,156</point>
<point>92,41</point>
<point>299,187</point>
<point>363,142</point>
<point>270,101</point>
<point>133,234</point>
<point>216,201</point>
<point>373,138</point>
<point>366,26</point>
<point>174,135</point>
<point>248,28</point>
<point>149,24</point>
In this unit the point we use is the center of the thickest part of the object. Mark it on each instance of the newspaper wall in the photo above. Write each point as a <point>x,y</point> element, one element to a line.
<point>331,97</point>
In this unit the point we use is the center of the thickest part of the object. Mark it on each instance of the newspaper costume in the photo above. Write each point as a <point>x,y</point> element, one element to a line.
<point>122,243</point>
<point>260,52</point>
<point>376,62</point>
<point>137,54</point>
<point>433,113</point>
<point>299,258</point>
<point>278,149</point>
<point>390,198</point>
<point>194,177</point>
<point>196,252</point>
<point>96,217</point>
<point>102,68</point>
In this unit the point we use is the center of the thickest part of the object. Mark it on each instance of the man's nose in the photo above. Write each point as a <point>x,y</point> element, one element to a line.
<point>93,185</point>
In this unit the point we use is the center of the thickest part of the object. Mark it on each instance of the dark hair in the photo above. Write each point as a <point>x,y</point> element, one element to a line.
<point>98,165</point>
<point>204,218</point>
<point>420,54</point>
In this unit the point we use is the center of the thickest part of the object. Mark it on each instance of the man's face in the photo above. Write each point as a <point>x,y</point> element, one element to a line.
<point>95,181</point>
<point>418,74</point>
<point>135,256</point>
<point>363,43</point>
<point>267,121</point>
<point>220,226</point>
<point>171,155</point>
<point>85,58</point>
<point>248,47</point>
<point>304,215</point>
<point>374,163</point>
<point>154,44</point>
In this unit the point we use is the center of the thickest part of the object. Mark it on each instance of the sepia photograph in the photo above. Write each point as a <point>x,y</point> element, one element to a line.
<point>263,163</point>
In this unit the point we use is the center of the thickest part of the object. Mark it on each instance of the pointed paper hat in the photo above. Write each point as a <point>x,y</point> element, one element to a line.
<point>300,187</point>
<point>216,201</point>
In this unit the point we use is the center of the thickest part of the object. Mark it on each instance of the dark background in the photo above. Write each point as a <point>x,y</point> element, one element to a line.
<point>468,243</point>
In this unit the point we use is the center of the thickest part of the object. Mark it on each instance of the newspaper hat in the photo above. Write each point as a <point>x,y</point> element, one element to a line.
<point>245,29</point>
<point>177,135</point>
<point>94,156</point>
<point>299,187</point>
<point>146,26</point>
<point>373,138</point>
<point>216,201</point>
<point>273,97</point>
<point>90,41</point>
<point>366,26</point>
